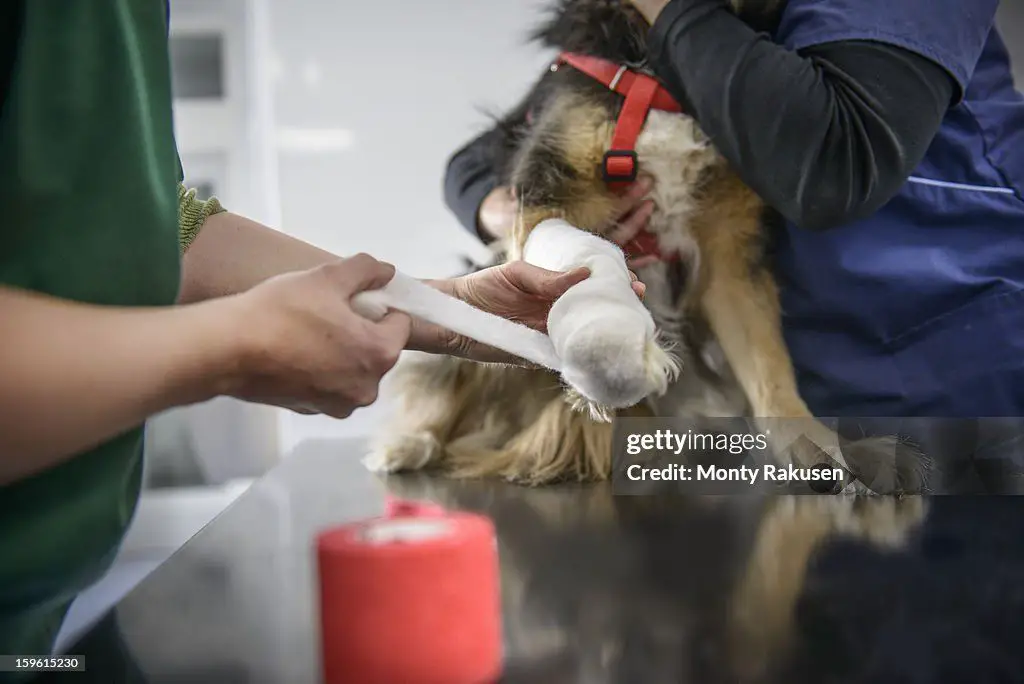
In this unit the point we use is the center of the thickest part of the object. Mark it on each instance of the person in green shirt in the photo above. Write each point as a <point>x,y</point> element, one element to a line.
<point>122,295</point>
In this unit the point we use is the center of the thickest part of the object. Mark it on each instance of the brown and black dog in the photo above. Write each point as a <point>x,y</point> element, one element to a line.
<point>717,305</point>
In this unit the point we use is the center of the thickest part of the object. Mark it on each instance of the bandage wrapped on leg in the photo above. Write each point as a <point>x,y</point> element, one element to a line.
<point>603,335</point>
<point>601,339</point>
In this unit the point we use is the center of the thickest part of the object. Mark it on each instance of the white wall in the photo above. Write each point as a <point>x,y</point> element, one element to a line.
<point>392,89</point>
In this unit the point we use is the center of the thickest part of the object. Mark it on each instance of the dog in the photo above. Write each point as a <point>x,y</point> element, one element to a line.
<point>716,306</point>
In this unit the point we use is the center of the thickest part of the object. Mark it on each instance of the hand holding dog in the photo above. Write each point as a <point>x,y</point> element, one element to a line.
<point>633,213</point>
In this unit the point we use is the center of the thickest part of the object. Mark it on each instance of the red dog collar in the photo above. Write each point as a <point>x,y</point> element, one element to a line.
<point>642,92</point>
<point>619,166</point>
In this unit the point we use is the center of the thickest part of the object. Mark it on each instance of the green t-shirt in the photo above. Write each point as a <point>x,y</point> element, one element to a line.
<point>88,212</point>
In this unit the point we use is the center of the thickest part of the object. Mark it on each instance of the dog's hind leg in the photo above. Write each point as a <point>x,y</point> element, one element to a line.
<point>559,445</point>
<point>470,420</point>
<point>426,389</point>
<point>450,413</point>
<point>741,303</point>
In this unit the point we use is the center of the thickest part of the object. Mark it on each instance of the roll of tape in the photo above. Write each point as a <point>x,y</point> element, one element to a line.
<point>411,598</point>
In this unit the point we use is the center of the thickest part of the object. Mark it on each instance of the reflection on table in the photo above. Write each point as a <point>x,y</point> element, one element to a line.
<point>604,589</point>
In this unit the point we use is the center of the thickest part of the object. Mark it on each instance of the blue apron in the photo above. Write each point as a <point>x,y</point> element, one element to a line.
<point>919,309</point>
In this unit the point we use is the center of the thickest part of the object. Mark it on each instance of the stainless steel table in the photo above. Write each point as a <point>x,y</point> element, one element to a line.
<point>602,589</point>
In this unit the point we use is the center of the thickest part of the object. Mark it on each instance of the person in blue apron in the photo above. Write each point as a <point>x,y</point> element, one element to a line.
<point>890,137</point>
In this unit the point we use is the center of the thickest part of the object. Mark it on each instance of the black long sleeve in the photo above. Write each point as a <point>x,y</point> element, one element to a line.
<point>824,136</point>
<point>469,177</point>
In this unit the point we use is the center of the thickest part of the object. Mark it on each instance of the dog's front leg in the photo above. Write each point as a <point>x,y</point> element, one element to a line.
<point>741,305</point>
<point>606,340</point>
<point>740,301</point>
<point>605,337</point>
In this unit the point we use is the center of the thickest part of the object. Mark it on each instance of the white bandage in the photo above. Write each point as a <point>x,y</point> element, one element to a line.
<point>418,299</point>
<point>601,331</point>
<point>600,338</point>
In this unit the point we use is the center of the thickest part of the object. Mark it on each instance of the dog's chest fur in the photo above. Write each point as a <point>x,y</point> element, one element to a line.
<point>676,154</point>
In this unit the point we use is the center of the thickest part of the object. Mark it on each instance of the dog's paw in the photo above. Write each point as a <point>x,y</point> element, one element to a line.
<point>616,365</point>
<point>405,453</point>
<point>857,488</point>
<point>877,466</point>
<point>661,365</point>
<point>884,521</point>
<point>579,403</point>
<point>814,447</point>
<point>887,466</point>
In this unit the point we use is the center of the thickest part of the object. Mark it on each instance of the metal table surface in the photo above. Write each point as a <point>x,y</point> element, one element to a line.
<point>601,589</point>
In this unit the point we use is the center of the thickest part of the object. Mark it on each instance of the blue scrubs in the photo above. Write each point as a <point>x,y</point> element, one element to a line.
<point>919,310</point>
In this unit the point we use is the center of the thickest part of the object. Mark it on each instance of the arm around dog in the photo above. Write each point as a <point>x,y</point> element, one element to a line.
<point>469,181</point>
<point>826,135</point>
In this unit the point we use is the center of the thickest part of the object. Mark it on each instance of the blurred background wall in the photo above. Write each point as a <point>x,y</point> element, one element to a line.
<point>1011,23</point>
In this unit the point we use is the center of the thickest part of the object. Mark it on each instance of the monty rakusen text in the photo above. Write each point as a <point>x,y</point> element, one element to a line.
<point>734,444</point>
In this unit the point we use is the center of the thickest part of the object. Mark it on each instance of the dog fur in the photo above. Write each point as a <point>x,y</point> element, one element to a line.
<point>720,314</point>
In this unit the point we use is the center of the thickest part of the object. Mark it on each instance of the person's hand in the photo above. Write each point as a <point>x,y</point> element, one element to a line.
<point>302,347</point>
<point>497,213</point>
<point>650,8</point>
<point>517,291</point>
<point>632,214</point>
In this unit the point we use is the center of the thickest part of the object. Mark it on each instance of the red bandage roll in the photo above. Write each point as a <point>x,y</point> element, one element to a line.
<point>411,599</point>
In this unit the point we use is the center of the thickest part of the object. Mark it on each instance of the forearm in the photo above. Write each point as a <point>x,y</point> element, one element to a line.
<point>469,178</point>
<point>76,375</point>
<point>232,254</point>
<point>825,136</point>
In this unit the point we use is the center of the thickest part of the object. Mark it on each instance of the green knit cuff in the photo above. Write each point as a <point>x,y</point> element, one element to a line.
<point>192,213</point>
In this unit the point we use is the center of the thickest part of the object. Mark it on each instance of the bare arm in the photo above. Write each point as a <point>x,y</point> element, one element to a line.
<point>232,254</point>
<point>76,375</point>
